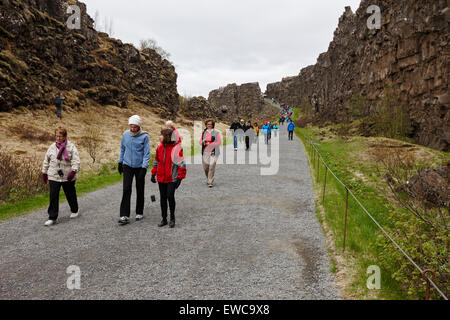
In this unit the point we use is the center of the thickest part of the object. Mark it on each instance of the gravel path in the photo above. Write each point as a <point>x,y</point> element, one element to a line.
<point>250,237</point>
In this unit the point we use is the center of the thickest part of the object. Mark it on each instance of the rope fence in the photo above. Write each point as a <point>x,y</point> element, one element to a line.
<point>316,159</point>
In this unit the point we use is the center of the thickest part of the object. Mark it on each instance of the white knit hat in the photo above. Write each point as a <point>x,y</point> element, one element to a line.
<point>136,120</point>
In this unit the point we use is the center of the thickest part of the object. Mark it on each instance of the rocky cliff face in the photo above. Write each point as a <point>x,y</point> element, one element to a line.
<point>40,56</point>
<point>244,101</point>
<point>198,108</point>
<point>411,51</point>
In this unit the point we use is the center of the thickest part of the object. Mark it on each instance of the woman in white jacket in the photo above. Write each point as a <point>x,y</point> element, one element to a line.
<point>60,167</point>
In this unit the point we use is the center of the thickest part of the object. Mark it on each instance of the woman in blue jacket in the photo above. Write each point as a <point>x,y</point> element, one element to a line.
<point>133,162</point>
<point>266,131</point>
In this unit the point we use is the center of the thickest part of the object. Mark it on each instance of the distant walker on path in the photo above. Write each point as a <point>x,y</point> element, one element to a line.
<point>58,102</point>
<point>291,128</point>
<point>236,130</point>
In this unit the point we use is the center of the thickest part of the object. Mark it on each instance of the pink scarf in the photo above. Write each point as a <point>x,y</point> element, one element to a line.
<point>62,151</point>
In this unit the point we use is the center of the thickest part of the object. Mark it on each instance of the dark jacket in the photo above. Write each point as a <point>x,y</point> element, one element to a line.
<point>235,127</point>
<point>249,130</point>
<point>58,100</point>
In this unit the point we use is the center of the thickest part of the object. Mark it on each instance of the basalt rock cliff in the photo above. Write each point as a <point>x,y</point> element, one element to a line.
<point>41,56</point>
<point>245,101</point>
<point>198,108</point>
<point>410,52</point>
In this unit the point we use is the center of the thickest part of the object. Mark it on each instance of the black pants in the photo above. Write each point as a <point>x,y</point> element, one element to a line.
<point>71,196</point>
<point>291,135</point>
<point>59,111</point>
<point>128,174</point>
<point>247,142</point>
<point>167,194</point>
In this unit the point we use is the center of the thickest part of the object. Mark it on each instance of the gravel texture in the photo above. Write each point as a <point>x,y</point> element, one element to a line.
<point>250,237</point>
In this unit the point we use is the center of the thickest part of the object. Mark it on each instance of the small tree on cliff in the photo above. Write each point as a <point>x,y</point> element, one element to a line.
<point>152,44</point>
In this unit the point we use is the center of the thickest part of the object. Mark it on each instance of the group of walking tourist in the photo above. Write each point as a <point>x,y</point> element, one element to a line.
<point>286,115</point>
<point>61,163</point>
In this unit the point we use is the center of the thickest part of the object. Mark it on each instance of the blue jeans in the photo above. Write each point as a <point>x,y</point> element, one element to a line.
<point>235,142</point>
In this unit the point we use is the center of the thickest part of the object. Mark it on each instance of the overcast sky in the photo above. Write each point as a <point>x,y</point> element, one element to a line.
<point>216,42</point>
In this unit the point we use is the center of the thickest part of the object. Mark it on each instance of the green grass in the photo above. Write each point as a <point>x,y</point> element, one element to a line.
<point>341,157</point>
<point>361,239</point>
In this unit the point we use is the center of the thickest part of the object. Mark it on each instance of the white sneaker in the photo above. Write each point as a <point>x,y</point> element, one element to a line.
<point>49,223</point>
<point>74,215</point>
<point>139,217</point>
<point>124,220</point>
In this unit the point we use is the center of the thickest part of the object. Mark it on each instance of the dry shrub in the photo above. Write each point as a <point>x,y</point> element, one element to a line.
<point>397,165</point>
<point>422,231</point>
<point>92,141</point>
<point>92,136</point>
<point>31,133</point>
<point>20,177</point>
<point>380,148</point>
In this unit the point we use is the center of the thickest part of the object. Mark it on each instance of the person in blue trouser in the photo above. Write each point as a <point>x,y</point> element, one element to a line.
<point>236,130</point>
<point>133,162</point>
<point>291,128</point>
<point>266,131</point>
<point>275,130</point>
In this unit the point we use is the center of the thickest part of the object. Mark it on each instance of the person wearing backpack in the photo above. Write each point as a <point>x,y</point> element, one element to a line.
<point>291,128</point>
<point>210,142</point>
<point>169,169</point>
<point>133,162</point>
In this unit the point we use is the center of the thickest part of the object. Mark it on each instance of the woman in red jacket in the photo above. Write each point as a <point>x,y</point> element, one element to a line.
<point>169,169</point>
